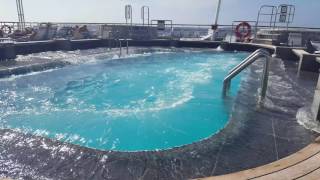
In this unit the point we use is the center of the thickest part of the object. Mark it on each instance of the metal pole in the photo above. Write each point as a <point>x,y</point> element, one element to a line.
<point>218,12</point>
<point>217,19</point>
<point>120,48</point>
<point>127,47</point>
<point>21,24</point>
<point>131,15</point>
<point>145,9</point>
<point>128,13</point>
<point>171,29</point>
<point>148,16</point>
<point>109,43</point>
<point>18,11</point>
<point>264,83</point>
<point>142,15</point>
<point>22,15</point>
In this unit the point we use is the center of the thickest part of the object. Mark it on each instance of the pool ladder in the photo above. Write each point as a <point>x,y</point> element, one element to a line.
<point>120,47</point>
<point>244,64</point>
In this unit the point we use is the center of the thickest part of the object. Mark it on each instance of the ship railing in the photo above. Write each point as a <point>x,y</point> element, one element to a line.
<point>174,32</point>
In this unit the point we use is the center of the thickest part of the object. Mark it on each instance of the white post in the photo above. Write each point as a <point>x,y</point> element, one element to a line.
<point>144,10</point>
<point>128,13</point>
<point>217,18</point>
<point>218,12</point>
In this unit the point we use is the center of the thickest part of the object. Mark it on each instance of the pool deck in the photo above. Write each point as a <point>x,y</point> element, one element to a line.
<point>282,136</point>
<point>304,164</point>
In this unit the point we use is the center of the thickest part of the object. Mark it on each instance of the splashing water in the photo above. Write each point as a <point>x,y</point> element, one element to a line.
<point>145,102</point>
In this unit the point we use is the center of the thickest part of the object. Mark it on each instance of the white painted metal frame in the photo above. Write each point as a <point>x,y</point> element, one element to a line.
<point>145,10</point>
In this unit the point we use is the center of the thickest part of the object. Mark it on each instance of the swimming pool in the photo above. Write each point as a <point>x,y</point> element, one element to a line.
<point>151,101</point>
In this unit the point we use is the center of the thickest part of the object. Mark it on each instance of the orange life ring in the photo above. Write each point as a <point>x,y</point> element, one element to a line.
<point>243,30</point>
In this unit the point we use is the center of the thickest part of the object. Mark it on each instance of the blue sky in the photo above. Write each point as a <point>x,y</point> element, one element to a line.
<point>181,11</point>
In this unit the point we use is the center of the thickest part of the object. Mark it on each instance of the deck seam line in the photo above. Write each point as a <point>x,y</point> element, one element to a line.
<point>307,173</point>
<point>285,167</point>
<point>217,159</point>
<point>275,140</point>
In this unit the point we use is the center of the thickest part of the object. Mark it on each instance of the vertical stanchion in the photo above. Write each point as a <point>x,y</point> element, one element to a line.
<point>264,83</point>
<point>128,14</point>
<point>144,11</point>
<point>127,47</point>
<point>216,20</point>
<point>21,24</point>
<point>120,46</point>
<point>109,44</point>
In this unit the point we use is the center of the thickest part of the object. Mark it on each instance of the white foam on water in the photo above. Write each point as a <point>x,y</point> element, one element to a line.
<point>184,84</point>
<point>44,145</point>
<point>8,137</point>
<point>41,132</point>
<point>19,169</point>
<point>91,55</point>
<point>75,138</point>
<point>219,48</point>
<point>15,77</point>
<point>305,118</point>
<point>104,158</point>
<point>67,149</point>
<point>177,92</point>
<point>159,105</point>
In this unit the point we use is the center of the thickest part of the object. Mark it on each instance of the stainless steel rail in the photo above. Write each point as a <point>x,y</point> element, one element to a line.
<point>245,60</point>
<point>120,48</point>
<point>127,47</point>
<point>244,64</point>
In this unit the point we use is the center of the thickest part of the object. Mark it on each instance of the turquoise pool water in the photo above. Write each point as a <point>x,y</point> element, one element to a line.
<point>148,102</point>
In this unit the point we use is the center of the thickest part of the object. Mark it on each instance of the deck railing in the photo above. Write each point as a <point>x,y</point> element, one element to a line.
<point>177,31</point>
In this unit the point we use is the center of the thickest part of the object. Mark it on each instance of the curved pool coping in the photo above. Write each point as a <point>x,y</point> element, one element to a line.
<point>215,140</point>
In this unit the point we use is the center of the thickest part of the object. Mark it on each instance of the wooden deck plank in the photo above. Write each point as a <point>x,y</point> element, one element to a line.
<point>309,155</point>
<point>315,175</point>
<point>296,171</point>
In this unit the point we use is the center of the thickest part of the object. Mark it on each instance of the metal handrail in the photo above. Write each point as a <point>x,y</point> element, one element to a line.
<point>244,64</point>
<point>249,57</point>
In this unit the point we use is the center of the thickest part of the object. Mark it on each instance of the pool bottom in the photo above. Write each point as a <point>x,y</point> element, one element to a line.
<point>253,137</point>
